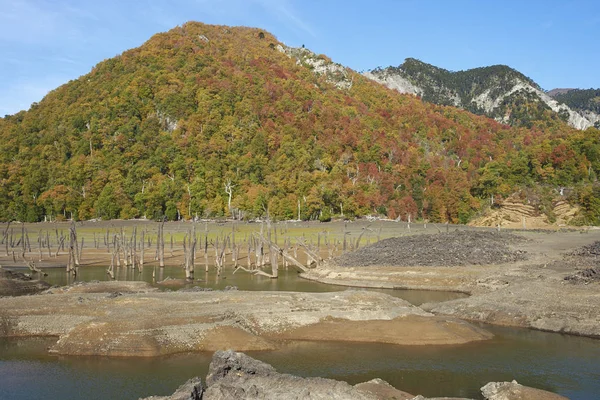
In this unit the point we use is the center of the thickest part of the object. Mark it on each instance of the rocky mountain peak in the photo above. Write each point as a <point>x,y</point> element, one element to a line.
<point>497,91</point>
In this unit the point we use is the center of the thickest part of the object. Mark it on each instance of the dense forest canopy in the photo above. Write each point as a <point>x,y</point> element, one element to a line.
<point>215,121</point>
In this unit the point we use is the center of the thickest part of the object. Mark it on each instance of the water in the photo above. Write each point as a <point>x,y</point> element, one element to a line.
<point>563,364</point>
<point>288,280</point>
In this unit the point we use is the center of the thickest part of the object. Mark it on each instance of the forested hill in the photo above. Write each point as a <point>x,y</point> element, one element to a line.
<point>498,92</point>
<point>584,100</point>
<point>174,126</point>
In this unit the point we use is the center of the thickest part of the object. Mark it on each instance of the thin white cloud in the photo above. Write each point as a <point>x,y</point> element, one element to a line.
<point>283,11</point>
<point>26,22</point>
<point>41,22</point>
<point>20,95</point>
<point>61,60</point>
<point>286,12</point>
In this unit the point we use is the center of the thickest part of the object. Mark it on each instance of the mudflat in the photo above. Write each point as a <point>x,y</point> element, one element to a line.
<point>536,279</point>
<point>142,322</point>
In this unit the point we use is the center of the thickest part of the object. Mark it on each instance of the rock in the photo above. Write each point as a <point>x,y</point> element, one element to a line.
<point>382,390</point>
<point>225,362</point>
<point>191,390</point>
<point>515,391</point>
<point>440,398</point>
<point>234,375</point>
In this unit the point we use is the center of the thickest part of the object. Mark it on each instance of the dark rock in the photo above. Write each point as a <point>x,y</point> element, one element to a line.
<point>234,375</point>
<point>225,362</point>
<point>585,276</point>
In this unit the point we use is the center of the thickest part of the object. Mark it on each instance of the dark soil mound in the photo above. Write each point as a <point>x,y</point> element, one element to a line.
<point>443,249</point>
<point>584,257</point>
<point>17,284</point>
<point>589,251</point>
<point>585,276</point>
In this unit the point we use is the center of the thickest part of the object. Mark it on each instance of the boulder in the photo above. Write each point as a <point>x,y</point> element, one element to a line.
<point>515,391</point>
<point>383,390</point>
<point>234,375</point>
<point>191,390</point>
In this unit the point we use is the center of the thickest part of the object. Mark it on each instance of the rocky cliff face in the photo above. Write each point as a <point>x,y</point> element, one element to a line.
<point>335,73</point>
<point>498,92</point>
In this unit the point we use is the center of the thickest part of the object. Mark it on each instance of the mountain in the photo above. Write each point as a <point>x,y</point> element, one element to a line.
<point>585,101</point>
<point>213,121</point>
<point>552,93</point>
<point>498,92</point>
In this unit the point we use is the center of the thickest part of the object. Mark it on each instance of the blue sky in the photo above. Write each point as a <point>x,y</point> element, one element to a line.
<point>45,43</point>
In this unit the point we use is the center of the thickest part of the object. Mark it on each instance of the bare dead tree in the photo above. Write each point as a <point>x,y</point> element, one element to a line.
<point>188,254</point>
<point>110,271</point>
<point>142,250</point>
<point>160,244</point>
<point>5,236</point>
<point>206,246</point>
<point>33,268</point>
<point>229,190</point>
<point>74,244</point>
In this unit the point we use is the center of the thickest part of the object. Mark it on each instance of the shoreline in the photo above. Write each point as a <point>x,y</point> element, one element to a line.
<point>133,319</point>
<point>532,294</point>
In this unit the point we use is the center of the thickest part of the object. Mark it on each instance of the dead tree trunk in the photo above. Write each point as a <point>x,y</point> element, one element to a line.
<point>142,245</point>
<point>74,244</point>
<point>160,243</point>
<point>310,254</point>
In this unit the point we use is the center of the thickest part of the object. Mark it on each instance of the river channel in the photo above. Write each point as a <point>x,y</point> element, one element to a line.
<point>564,364</point>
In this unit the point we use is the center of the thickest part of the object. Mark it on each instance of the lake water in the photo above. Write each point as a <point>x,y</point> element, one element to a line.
<point>288,280</point>
<point>564,364</point>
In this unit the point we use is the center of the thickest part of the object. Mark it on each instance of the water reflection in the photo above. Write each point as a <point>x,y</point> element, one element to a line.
<point>564,364</point>
<point>288,281</point>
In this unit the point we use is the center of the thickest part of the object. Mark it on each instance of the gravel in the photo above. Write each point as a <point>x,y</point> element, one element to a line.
<point>444,249</point>
<point>591,250</point>
<point>585,276</point>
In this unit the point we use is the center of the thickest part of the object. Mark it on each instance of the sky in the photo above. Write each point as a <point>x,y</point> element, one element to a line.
<point>46,43</point>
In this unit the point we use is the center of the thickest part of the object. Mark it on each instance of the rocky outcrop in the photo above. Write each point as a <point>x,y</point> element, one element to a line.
<point>396,82</point>
<point>515,215</point>
<point>233,375</point>
<point>382,390</point>
<point>191,390</point>
<point>334,73</point>
<point>515,391</point>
